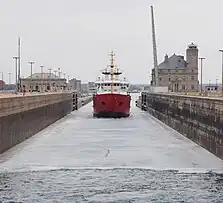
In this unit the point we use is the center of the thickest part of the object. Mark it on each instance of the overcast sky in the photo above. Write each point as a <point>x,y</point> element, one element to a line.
<point>77,35</point>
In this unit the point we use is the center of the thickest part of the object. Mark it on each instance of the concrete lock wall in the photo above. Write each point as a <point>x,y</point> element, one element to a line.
<point>199,119</point>
<point>83,101</point>
<point>23,116</point>
<point>78,101</point>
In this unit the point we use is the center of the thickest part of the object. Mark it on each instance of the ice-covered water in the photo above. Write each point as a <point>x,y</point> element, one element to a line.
<point>85,159</point>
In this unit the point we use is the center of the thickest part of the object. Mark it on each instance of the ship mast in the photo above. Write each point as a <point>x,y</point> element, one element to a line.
<point>112,71</point>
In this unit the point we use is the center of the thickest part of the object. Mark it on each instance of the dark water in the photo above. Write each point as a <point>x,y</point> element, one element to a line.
<point>111,185</point>
<point>82,159</point>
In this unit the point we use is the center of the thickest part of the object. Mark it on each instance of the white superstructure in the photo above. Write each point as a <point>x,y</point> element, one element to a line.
<point>110,81</point>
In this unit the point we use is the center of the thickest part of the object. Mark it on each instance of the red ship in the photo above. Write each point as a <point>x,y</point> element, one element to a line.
<point>112,99</point>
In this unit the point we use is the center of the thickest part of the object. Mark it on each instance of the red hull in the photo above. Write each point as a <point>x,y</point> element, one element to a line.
<point>111,105</point>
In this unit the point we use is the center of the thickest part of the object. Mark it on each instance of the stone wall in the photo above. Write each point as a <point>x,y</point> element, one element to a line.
<point>198,118</point>
<point>23,116</point>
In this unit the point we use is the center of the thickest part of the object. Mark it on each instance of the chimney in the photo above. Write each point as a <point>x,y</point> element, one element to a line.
<point>166,58</point>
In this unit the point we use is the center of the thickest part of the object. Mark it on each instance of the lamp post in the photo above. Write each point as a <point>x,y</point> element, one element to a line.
<point>19,66</point>
<point>16,74</point>
<point>31,74</point>
<point>59,72</point>
<point>2,81</point>
<point>221,50</point>
<point>50,78</point>
<point>10,78</point>
<point>216,88</point>
<point>41,77</point>
<point>68,84</point>
<point>201,58</point>
<point>65,80</point>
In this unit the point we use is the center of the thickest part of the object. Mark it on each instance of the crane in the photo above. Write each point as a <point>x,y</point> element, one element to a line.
<point>154,48</point>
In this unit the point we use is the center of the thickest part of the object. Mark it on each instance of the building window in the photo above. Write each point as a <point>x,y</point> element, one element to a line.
<point>192,77</point>
<point>192,70</point>
<point>192,87</point>
<point>183,86</point>
<point>160,79</point>
<point>169,79</point>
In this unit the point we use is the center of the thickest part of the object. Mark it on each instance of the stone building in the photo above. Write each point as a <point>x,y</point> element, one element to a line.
<point>75,84</point>
<point>84,88</point>
<point>92,87</point>
<point>2,84</point>
<point>38,82</point>
<point>178,74</point>
<point>78,85</point>
<point>72,84</point>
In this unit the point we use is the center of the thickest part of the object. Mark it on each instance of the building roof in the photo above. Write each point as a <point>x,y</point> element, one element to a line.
<point>173,62</point>
<point>44,75</point>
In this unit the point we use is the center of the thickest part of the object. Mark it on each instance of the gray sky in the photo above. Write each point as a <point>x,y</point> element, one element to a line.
<point>77,35</point>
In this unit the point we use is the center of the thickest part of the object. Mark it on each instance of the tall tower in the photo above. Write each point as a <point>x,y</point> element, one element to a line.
<point>192,66</point>
<point>192,56</point>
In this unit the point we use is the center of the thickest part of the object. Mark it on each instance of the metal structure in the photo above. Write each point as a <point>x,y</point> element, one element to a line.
<point>16,73</point>
<point>154,48</point>
<point>50,69</point>
<point>19,66</point>
<point>2,81</point>
<point>112,71</point>
<point>201,58</point>
<point>42,77</point>
<point>221,50</point>
<point>55,72</point>
<point>59,72</point>
<point>10,78</point>
<point>31,73</point>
